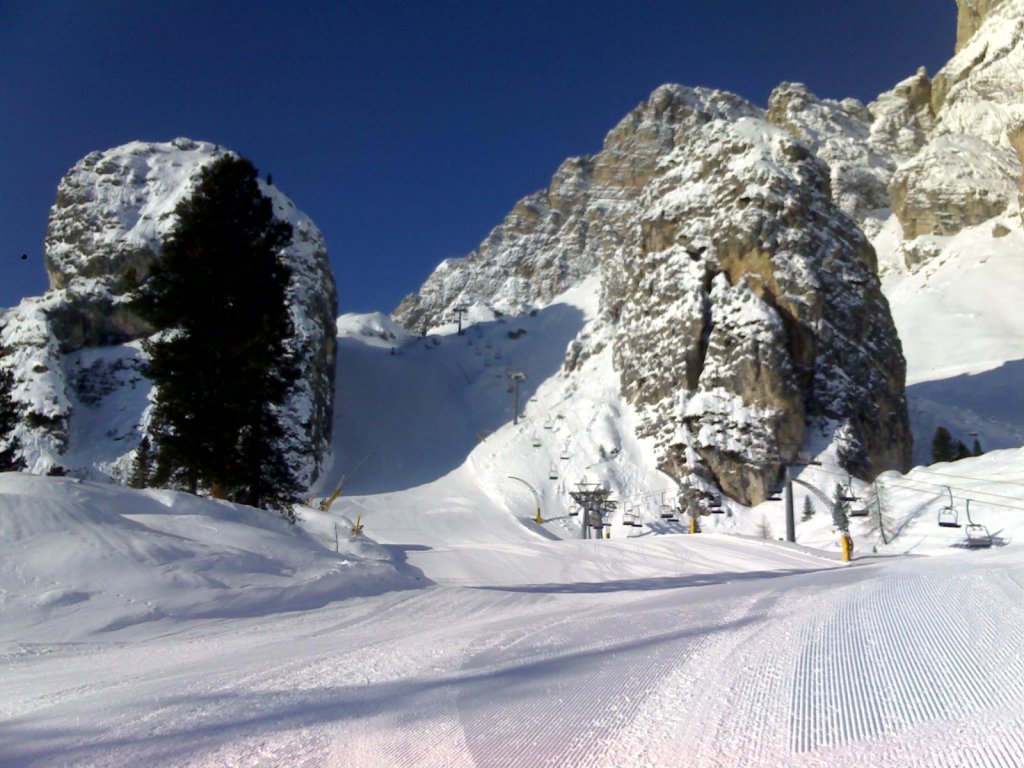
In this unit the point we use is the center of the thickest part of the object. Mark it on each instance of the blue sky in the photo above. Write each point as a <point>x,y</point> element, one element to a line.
<point>405,129</point>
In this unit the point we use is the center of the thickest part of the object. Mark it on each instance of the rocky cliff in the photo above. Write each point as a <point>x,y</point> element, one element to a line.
<point>738,251</point>
<point>112,211</point>
<point>741,299</point>
<point>749,308</point>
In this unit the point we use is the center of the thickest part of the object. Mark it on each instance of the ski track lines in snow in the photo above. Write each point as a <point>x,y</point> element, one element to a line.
<point>908,649</point>
<point>912,663</point>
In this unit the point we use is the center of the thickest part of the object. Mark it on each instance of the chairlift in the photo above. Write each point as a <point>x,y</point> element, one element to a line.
<point>977,534</point>
<point>574,510</point>
<point>948,516</point>
<point>859,512</point>
<point>847,494</point>
<point>536,440</point>
<point>553,472</point>
<point>715,505</point>
<point>548,423</point>
<point>667,513</point>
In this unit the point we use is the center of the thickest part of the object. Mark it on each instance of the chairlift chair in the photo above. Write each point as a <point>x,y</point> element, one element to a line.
<point>574,510</point>
<point>977,534</point>
<point>848,494</point>
<point>715,505</point>
<point>948,516</point>
<point>859,512</point>
<point>553,472</point>
<point>536,440</point>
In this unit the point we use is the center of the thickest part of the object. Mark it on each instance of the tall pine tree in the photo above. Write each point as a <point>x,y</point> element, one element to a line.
<point>10,453</point>
<point>221,364</point>
<point>943,446</point>
<point>841,509</point>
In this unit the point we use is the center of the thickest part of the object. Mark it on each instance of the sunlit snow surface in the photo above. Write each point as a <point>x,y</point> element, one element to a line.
<point>151,628</point>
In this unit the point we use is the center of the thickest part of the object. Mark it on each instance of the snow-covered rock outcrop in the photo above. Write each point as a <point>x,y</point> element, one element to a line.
<point>112,211</point>
<point>741,303</point>
<point>554,238</point>
<point>750,308</point>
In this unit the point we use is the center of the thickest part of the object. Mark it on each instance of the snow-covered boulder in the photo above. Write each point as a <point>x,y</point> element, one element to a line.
<point>112,212</point>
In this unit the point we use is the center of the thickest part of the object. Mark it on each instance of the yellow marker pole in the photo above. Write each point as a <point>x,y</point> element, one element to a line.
<point>539,520</point>
<point>330,500</point>
<point>693,525</point>
<point>358,527</point>
<point>847,544</point>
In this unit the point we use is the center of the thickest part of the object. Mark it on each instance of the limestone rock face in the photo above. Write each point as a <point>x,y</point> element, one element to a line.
<point>956,181</point>
<point>112,211</point>
<point>839,133</point>
<point>979,91</point>
<point>748,308</point>
<point>902,118</point>
<point>556,237</point>
<point>1016,136</point>
<point>970,14</point>
<point>740,302</point>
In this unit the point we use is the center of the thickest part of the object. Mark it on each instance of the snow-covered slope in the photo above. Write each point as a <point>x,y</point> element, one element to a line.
<point>82,560</point>
<point>153,628</point>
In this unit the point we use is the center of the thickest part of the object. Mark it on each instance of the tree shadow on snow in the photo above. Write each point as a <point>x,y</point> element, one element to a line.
<point>221,719</point>
<point>656,583</point>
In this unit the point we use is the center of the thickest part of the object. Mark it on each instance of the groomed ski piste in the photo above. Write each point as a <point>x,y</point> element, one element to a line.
<point>154,628</point>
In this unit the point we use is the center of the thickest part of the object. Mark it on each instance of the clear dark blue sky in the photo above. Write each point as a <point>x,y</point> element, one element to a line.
<point>405,129</point>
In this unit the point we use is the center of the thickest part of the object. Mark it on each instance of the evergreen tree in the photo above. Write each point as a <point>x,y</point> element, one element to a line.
<point>976,448</point>
<point>808,511</point>
<point>221,364</point>
<point>142,465</point>
<point>764,529</point>
<point>10,453</point>
<point>961,450</point>
<point>943,447</point>
<point>880,519</point>
<point>841,510</point>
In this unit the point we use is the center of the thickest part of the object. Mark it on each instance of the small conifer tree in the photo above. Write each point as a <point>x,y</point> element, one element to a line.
<point>976,448</point>
<point>880,519</point>
<point>10,452</point>
<point>808,511</point>
<point>142,465</point>
<point>841,510</point>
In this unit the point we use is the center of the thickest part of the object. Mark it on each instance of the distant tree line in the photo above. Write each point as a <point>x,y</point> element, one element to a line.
<point>946,448</point>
